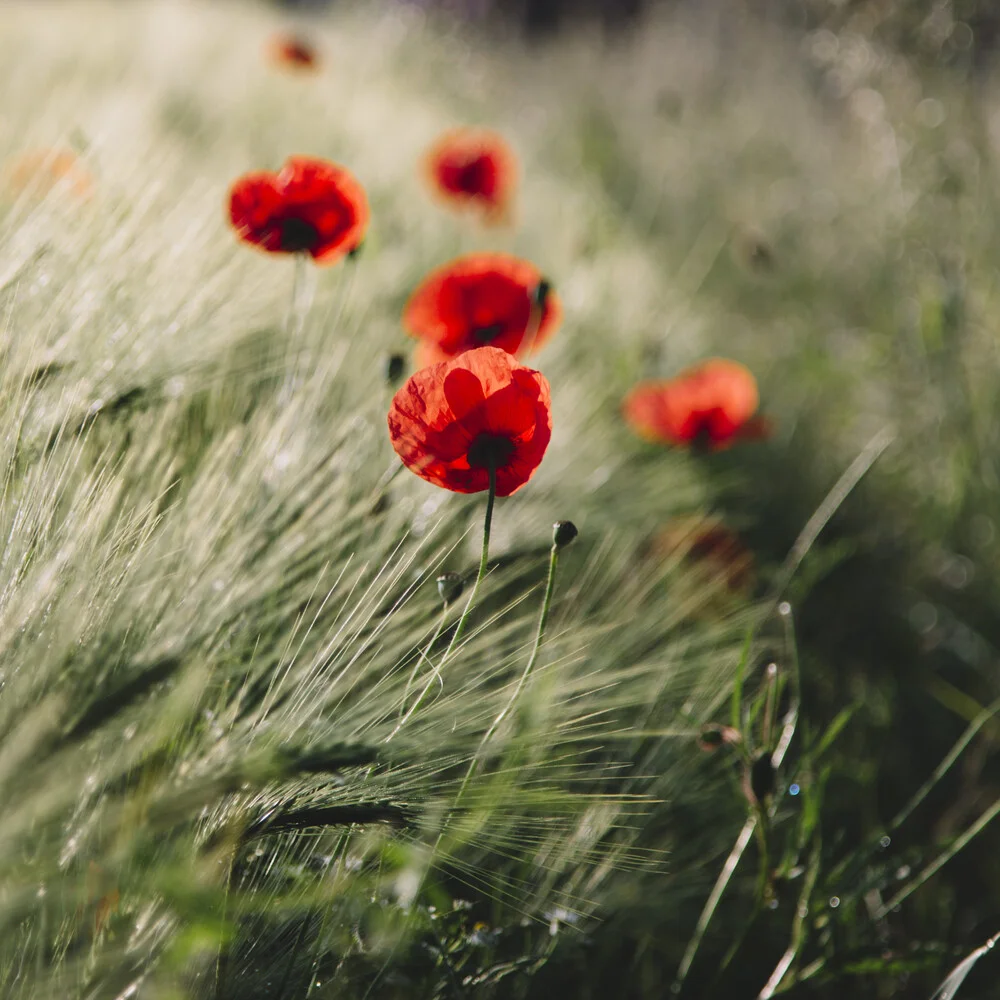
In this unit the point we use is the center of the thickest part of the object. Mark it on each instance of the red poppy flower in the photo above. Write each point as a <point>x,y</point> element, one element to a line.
<point>309,206</point>
<point>481,299</point>
<point>473,168</point>
<point>292,52</point>
<point>710,406</point>
<point>707,542</point>
<point>452,421</point>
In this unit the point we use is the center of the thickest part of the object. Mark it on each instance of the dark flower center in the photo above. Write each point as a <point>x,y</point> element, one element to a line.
<point>296,235</point>
<point>473,177</point>
<point>299,52</point>
<point>490,451</point>
<point>706,434</point>
<point>483,335</point>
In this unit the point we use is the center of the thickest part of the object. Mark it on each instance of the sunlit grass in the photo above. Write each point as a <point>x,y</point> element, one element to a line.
<point>214,586</point>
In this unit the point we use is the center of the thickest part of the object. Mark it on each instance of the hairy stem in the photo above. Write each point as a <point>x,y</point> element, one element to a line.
<point>525,674</point>
<point>483,561</point>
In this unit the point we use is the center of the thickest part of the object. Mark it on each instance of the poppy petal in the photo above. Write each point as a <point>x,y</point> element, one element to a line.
<point>463,392</point>
<point>310,206</point>
<point>709,405</point>
<point>484,299</point>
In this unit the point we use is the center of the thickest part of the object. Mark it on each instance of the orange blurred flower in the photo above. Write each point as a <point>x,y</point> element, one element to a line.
<point>710,406</point>
<point>288,51</point>
<point>37,172</point>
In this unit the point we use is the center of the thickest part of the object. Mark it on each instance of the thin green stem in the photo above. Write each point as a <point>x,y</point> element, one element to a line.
<point>483,561</point>
<point>522,680</point>
<point>298,304</point>
<point>539,636</point>
<point>435,676</point>
<point>792,715</point>
<point>757,815</point>
<point>769,702</point>
<point>941,860</point>
<point>425,654</point>
<point>798,935</point>
<point>764,871</point>
<point>939,772</point>
<point>832,502</point>
<point>713,901</point>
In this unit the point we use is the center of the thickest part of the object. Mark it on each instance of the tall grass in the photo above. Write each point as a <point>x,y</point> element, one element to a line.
<point>215,586</point>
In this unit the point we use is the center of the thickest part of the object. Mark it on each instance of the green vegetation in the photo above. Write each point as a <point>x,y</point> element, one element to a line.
<point>217,596</point>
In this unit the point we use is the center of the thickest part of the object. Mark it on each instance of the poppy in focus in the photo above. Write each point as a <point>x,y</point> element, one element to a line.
<point>709,406</point>
<point>40,171</point>
<point>454,421</point>
<point>309,206</point>
<point>483,299</point>
<point>292,52</point>
<point>473,168</point>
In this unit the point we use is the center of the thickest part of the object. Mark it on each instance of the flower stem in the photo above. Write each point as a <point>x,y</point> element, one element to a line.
<point>483,561</point>
<point>424,655</point>
<point>512,701</point>
<point>525,674</point>
<point>300,301</point>
<point>539,636</point>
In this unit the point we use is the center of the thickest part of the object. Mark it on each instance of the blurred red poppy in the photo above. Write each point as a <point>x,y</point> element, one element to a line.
<point>309,206</point>
<point>450,423</point>
<point>708,406</point>
<point>478,300</point>
<point>40,171</point>
<point>474,168</point>
<point>708,543</point>
<point>292,52</point>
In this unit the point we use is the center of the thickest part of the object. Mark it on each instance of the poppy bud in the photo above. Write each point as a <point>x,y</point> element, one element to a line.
<point>395,367</point>
<point>450,587</point>
<point>542,290</point>
<point>762,776</point>
<point>563,532</point>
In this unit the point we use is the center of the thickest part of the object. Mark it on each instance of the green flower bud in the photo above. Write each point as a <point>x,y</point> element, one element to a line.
<point>450,587</point>
<point>395,368</point>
